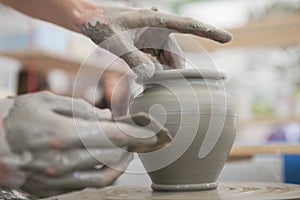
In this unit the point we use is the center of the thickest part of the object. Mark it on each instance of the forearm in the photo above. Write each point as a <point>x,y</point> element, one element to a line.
<point>70,14</point>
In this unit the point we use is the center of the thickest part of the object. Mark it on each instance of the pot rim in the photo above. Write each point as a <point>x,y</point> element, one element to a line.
<point>204,74</point>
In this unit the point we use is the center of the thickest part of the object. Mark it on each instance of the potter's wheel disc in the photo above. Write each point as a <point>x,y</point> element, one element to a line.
<point>234,190</point>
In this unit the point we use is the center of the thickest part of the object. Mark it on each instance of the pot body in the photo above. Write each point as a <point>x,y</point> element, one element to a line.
<point>202,120</point>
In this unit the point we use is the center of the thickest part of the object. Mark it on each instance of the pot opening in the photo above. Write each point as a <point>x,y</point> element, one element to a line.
<point>205,74</point>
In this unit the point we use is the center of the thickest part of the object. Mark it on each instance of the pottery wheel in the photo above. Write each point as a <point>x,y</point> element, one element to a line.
<point>236,190</point>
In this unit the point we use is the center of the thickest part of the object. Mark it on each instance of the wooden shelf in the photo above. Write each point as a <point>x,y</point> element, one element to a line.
<point>246,152</point>
<point>269,120</point>
<point>44,61</point>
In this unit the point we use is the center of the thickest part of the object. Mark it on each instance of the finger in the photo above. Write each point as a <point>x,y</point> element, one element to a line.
<point>145,120</point>
<point>68,133</point>
<point>156,46</point>
<point>152,18</point>
<point>122,45</point>
<point>158,66</point>
<point>140,63</point>
<point>159,57</point>
<point>56,162</point>
<point>110,134</point>
<point>173,53</point>
<point>75,107</point>
<point>79,179</point>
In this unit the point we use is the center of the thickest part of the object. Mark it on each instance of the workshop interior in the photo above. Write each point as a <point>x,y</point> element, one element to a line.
<point>262,67</point>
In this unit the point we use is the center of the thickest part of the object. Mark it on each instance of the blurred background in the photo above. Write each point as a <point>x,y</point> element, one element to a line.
<point>262,63</point>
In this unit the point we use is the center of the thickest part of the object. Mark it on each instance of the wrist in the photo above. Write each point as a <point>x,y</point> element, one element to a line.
<point>84,12</point>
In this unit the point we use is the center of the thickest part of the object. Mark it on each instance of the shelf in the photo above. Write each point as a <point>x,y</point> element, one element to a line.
<point>246,152</point>
<point>44,61</point>
<point>265,119</point>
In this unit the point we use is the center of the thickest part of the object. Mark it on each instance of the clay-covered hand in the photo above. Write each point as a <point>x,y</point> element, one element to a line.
<point>150,33</point>
<point>55,144</point>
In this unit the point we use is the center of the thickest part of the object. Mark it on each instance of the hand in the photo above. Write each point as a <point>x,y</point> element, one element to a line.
<point>124,30</point>
<point>47,154</point>
<point>151,34</point>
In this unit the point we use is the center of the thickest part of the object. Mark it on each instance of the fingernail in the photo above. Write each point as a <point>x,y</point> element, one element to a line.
<point>222,36</point>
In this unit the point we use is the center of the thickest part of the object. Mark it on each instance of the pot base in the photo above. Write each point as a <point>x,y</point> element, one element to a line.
<point>185,187</point>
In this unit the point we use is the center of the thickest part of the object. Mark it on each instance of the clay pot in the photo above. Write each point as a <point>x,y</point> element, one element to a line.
<point>202,120</point>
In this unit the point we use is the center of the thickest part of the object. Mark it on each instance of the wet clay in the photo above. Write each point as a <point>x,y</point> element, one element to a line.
<point>225,191</point>
<point>202,120</point>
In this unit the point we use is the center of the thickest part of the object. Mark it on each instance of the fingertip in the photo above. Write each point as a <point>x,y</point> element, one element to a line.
<point>144,72</point>
<point>222,36</point>
<point>227,37</point>
<point>136,132</point>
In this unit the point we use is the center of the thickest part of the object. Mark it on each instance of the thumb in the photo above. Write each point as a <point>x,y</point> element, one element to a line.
<point>122,45</point>
<point>140,63</point>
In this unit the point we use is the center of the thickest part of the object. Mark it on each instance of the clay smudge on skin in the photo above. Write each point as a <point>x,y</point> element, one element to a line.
<point>208,31</point>
<point>101,27</point>
<point>184,25</point>
<point>141,65</point>
<point>97,31</point>
<point>153,18</point>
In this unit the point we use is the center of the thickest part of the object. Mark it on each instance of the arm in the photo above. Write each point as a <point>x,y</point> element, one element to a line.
<point>129,33</point>
<point>66,13</point>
